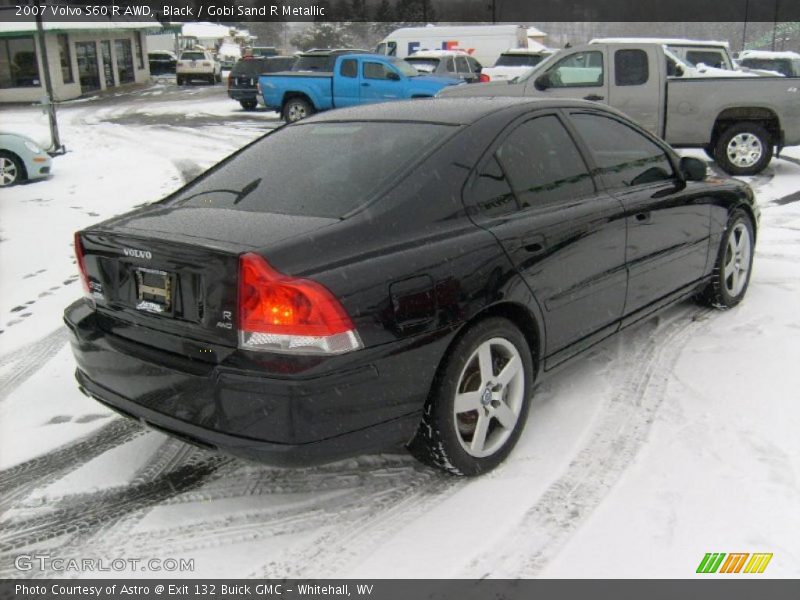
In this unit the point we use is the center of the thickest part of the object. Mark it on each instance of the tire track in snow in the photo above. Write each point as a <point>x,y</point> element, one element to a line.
<point>614,443</point>
<point>19,481</point>
<point>19,365</point>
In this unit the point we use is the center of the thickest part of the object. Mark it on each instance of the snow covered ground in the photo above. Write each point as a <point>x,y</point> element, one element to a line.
<point>677,438</point>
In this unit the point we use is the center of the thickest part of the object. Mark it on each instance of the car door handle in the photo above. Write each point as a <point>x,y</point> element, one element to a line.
<point>534,248</point>
<point>364,84</point>
<point>642,217</point>
<point>594,97</point>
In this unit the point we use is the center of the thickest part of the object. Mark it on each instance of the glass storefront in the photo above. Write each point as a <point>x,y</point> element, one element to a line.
<point>19,66</point>
<point>124,61</point>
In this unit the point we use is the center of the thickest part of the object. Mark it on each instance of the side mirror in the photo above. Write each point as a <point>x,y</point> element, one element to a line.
<point>542,82</point>
<point>392,76</point>
<point>693,169</point>
<point>679,71</point>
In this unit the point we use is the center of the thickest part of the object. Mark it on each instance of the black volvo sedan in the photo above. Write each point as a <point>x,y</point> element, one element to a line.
<point>397,274</point>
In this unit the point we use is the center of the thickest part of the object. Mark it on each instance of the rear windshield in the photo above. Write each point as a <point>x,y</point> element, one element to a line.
<point>192,56</point>
<point>425,65</point>
<point>518,60</point>
<point>313,169</point>
<point>256,66</point>
<point>781,65</point>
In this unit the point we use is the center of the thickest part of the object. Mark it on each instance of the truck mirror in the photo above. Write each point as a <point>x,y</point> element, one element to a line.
<point>542,82</point>
<point>678,71</point>
<point>693,169</point>
<point>392,76</point>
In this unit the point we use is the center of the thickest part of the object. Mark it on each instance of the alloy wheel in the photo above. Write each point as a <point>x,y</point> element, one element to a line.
<point>8,171</point>
<point>489,397</point>
<point>737,260</point>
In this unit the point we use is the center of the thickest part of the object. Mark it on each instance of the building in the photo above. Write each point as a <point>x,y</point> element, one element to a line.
<point>83,58</point>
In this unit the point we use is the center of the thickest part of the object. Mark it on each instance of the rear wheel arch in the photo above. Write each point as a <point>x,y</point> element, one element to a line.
<point>520,316</point>
<point>765,117</point>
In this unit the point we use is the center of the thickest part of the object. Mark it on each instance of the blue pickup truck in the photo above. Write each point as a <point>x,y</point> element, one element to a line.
<point>355,79</point>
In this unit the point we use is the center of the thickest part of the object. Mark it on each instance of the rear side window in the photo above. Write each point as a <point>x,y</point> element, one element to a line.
<point>491,192</point>
<point>450,64</point>
<point>543,164</point>
<point>349,68</point>
<point>623,155</point>
<point>462,65</point>
<point>313,169</point>
<point>630,67</point>
<point>313,63</point>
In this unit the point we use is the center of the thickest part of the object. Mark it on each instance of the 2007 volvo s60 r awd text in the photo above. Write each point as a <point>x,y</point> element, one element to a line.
<point>397,273</point>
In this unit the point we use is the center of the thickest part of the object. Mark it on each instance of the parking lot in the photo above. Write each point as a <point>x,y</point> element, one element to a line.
<point>658,441</point>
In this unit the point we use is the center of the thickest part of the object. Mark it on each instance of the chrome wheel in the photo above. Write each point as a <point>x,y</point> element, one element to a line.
<point>8,171</point>
<point>489,397</point>
<point>744,150</point>
<point>295,112</point>
<point>737,260</point>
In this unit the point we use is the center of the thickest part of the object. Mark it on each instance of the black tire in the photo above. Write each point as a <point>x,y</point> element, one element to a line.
<point>249,104</point>
<point>296,109</point>
<point>720,291</point>
<point>212,79</point>
<point>179,80</point>
<point>760,139</point>
<point>439,441</point>
<point>13,170</point>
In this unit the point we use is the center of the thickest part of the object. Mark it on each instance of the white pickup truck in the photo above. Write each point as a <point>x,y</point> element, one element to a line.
<point>739,121</point>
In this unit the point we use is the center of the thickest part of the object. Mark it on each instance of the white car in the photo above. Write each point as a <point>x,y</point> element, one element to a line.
<point>197,64</point>
<point>770,62</point>
<point>516,62</point>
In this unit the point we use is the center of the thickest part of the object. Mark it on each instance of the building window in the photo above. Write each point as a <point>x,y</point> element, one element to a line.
<point>65,57</point>
<point>139,49</point>
<point>124,61</point>
<point>18,64</point>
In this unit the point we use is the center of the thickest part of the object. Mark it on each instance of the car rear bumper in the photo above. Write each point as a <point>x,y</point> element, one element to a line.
<point>374,404</point>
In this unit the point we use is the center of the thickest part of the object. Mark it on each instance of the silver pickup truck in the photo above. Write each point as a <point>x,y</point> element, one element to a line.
<point>739,121</point>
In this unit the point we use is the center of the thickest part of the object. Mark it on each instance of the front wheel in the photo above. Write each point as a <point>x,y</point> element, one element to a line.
<point>478,403</point>
<point>734,263</point>
<point>296,109</point>
<point>11,169</point>
<point>743,149</point>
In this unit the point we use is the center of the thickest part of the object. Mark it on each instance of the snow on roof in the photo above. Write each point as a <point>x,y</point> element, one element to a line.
<point>532,49</point>
<point>767,54</point>
<point>534,32</point>
<point>206,30</point>
<point>26,26</point>
<point>662,41</point>
<point>438,53</point>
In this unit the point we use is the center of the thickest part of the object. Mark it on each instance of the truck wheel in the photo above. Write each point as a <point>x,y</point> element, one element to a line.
<point>179,80</point>
<point>296,109</point>
<point>249,104</point>
<point>743,149</point>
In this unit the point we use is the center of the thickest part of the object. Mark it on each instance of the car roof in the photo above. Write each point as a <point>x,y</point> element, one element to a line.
<point>450,111</point>
<point>332,51</point>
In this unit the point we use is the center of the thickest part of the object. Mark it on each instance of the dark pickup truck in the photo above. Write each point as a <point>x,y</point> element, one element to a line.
<point>243,78</point>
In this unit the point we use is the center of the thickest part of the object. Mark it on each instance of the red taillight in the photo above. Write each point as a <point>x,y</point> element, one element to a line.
<point>282,314</point>
<point>79,255</point>
<point>484,78</point>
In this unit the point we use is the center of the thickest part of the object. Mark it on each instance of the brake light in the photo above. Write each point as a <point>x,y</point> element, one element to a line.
<point>79,255</point>
<point>278,313</point>
<point>484,78</point>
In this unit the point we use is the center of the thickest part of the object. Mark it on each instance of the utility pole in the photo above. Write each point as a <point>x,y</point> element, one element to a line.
<point>744,29</point>
<point>55,140</point>
<point>774,24</point>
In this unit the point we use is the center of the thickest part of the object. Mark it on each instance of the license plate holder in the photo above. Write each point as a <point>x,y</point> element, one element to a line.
<point>154,290</point>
